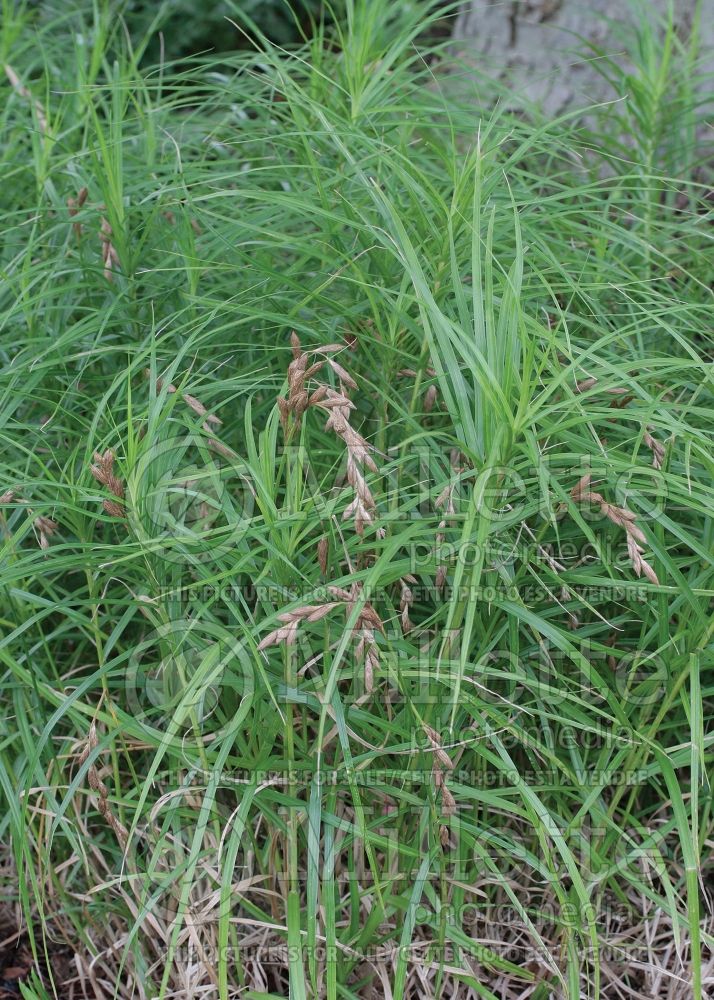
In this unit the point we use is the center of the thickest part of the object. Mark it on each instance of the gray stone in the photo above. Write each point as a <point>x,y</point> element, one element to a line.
<point>534,44</point>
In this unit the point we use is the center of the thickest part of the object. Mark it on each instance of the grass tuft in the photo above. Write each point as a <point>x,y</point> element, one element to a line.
<point>321,677</point>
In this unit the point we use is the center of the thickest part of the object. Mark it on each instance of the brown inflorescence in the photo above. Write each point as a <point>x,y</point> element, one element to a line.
<point>625,519</point>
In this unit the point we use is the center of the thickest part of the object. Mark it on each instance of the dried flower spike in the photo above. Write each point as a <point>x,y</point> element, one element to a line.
<point>17,85</point>
<point>368,622</point>
<point>110,257</point>
<point>656,448</point>
<point>406,600</point>
<point>589,383</point>
<point>445,502</point>
<point>103,471</point>
<point>441,762</point>
<point>624,519</point>
<point>45,528</point>
<point>439,753</point>
<point>337,405</point>
<point>98,786</point>
<point>323,551</point>
<point>197,406</point>
<point>74,205</point>
<point>291,620</point>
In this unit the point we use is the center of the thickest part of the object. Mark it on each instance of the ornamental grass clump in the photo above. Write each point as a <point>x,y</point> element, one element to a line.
<point>325,674</point>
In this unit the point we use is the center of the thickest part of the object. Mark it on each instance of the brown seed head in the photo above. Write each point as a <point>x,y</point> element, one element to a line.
<point>45,527</point>
<point>622,518</point>
<point>323,551</point>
